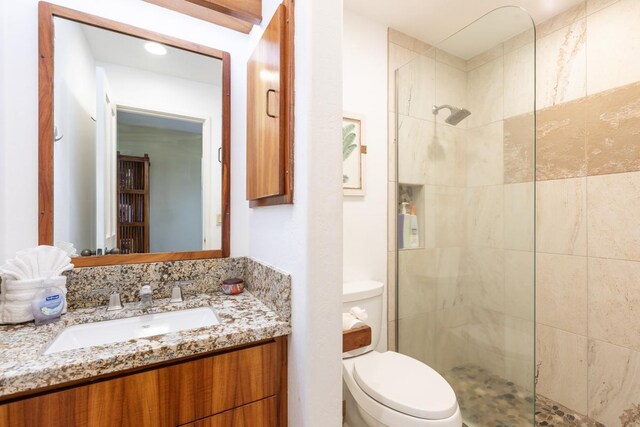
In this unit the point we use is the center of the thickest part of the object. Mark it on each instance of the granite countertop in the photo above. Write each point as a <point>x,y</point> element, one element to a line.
<point>24,366</point>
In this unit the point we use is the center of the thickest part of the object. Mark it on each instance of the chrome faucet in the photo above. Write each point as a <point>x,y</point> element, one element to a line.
<point>146,297</point>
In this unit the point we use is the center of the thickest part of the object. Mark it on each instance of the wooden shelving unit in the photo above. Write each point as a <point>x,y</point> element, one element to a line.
<point>133,204</point>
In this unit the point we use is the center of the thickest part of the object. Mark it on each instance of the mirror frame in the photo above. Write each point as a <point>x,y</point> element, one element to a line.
<point>46,13</point>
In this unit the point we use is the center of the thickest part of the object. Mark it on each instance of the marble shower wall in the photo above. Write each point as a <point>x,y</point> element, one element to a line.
<point>431,160</point>
<point>497,273</point>
<point>469,289</point>
<point>588,199</point>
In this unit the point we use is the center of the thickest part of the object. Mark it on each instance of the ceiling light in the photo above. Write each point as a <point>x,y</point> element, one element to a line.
<point>155,48</point>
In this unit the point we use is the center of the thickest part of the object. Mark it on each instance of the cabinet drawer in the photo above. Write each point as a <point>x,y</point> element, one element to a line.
<point>215,384</point>
<point>257,414</point>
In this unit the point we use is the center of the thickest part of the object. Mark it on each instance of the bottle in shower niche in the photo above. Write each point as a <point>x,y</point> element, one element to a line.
<point>414,231</point>
<point>403,227</point>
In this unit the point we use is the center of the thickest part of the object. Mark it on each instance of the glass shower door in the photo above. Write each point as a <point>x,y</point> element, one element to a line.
<point>466,215</point>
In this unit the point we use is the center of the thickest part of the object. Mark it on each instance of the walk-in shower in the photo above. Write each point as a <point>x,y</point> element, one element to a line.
<point>465,283</point>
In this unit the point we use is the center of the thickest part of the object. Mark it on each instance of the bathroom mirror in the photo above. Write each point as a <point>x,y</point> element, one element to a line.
<point>134,142</point>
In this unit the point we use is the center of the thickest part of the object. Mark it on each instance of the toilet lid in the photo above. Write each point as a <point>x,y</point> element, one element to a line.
<point>406,385</point>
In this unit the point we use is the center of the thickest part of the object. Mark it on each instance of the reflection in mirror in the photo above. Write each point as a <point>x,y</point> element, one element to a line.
<point>138,129</point>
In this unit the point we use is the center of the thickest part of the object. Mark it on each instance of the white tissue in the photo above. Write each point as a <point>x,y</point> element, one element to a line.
<point>349,321</point>
<point>359,313</point>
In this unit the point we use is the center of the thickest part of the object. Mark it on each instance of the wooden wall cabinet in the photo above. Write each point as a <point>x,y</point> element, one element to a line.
<point>270,113</point>
<point>240,388</point>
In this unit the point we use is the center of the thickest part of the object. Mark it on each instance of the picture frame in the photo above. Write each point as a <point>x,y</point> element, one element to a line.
<point>354,150</point>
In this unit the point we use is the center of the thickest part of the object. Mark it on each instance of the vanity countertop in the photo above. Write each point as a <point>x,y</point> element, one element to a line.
<point>24,366</point>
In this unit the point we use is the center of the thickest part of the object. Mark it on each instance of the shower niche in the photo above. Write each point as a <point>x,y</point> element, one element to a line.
<point>411,214</point>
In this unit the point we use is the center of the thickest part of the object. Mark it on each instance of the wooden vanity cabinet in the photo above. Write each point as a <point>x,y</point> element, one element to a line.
<point>245,387</point>
<point>269,113</point>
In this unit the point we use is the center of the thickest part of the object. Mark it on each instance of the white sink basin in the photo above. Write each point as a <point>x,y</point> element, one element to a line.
<point>111,331</point>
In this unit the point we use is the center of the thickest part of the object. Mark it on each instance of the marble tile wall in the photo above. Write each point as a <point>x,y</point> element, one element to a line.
<point>588,197</point>
<point>474,277</point>
<point>587,200</point>
<point>432,160</point>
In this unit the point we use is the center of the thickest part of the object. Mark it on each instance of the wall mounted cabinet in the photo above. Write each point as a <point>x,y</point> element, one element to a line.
<point>269,114</point>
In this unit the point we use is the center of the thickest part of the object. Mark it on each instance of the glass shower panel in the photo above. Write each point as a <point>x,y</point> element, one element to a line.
<point>466,215</point>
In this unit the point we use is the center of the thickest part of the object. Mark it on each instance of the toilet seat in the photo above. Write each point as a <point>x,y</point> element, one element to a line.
<point>405,385</point>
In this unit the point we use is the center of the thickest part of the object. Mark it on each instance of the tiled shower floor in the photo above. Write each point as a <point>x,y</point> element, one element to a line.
<point>487,400</point>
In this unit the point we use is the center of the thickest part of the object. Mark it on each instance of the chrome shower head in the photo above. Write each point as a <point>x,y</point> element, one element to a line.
<point>457,114</point>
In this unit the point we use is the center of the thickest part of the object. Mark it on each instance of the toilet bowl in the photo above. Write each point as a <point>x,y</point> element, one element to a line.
<point>391,389</point>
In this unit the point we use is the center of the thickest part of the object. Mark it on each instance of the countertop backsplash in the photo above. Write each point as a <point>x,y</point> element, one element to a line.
<point>91,286</point>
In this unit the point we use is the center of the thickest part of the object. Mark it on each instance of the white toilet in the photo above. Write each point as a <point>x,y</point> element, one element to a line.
<point>391,389</point>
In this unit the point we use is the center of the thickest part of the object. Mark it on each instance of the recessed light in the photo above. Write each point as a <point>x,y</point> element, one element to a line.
<point>155,48</point>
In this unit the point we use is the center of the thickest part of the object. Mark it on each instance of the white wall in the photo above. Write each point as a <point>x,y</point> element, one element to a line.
<point>74,168</point>
<point>4,49</point>
<point>19,99</point>
<point>306,238</point>
<point>365,93</point>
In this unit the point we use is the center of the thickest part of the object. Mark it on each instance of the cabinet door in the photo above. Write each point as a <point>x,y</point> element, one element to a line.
<point>257,414</point>
<point>267,112</point>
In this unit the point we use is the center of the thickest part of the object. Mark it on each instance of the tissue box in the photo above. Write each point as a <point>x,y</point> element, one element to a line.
<point>16,297</point>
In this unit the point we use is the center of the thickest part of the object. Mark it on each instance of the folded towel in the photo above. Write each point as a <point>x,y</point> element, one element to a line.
<point>349,321</point>
<point>359,313</point>
<point>41,262</point>
<point>16,297</point>
<point>15,313</point>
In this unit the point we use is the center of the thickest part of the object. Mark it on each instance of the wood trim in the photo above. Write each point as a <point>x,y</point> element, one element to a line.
<point>204,14</point>
<point>245,10</point>
<point>354,339</point>
<point>46,13</point>
<point>282,396</point>
<point>288,86</point>
<point>95,261</point>
<point>129,30</point>
<point>226,155</point>
<point>45,123</point>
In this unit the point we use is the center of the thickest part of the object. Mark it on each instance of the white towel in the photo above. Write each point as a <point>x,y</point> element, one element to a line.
<point>359,313</point>
<point>349,321</point>
<point>16,297</point>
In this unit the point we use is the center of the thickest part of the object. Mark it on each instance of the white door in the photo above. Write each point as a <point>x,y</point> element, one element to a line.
<point>106,164</point>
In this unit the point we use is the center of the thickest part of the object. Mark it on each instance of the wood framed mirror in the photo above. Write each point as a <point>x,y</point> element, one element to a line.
<point>134,142</point>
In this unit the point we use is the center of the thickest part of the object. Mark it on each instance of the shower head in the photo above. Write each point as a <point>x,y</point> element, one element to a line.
<point>457,114</point>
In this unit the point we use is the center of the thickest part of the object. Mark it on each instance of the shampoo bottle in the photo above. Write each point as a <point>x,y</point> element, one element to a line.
<point>403,223</point>
<point>414,231</point>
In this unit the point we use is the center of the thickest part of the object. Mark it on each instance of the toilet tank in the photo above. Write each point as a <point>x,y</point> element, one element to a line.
<point>365,294</point>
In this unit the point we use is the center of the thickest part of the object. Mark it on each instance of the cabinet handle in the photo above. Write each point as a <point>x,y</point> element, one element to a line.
<point>268,113</point>
<point>219,154</point>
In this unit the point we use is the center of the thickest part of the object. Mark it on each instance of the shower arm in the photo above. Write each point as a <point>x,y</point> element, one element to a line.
<point>435,109</point>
